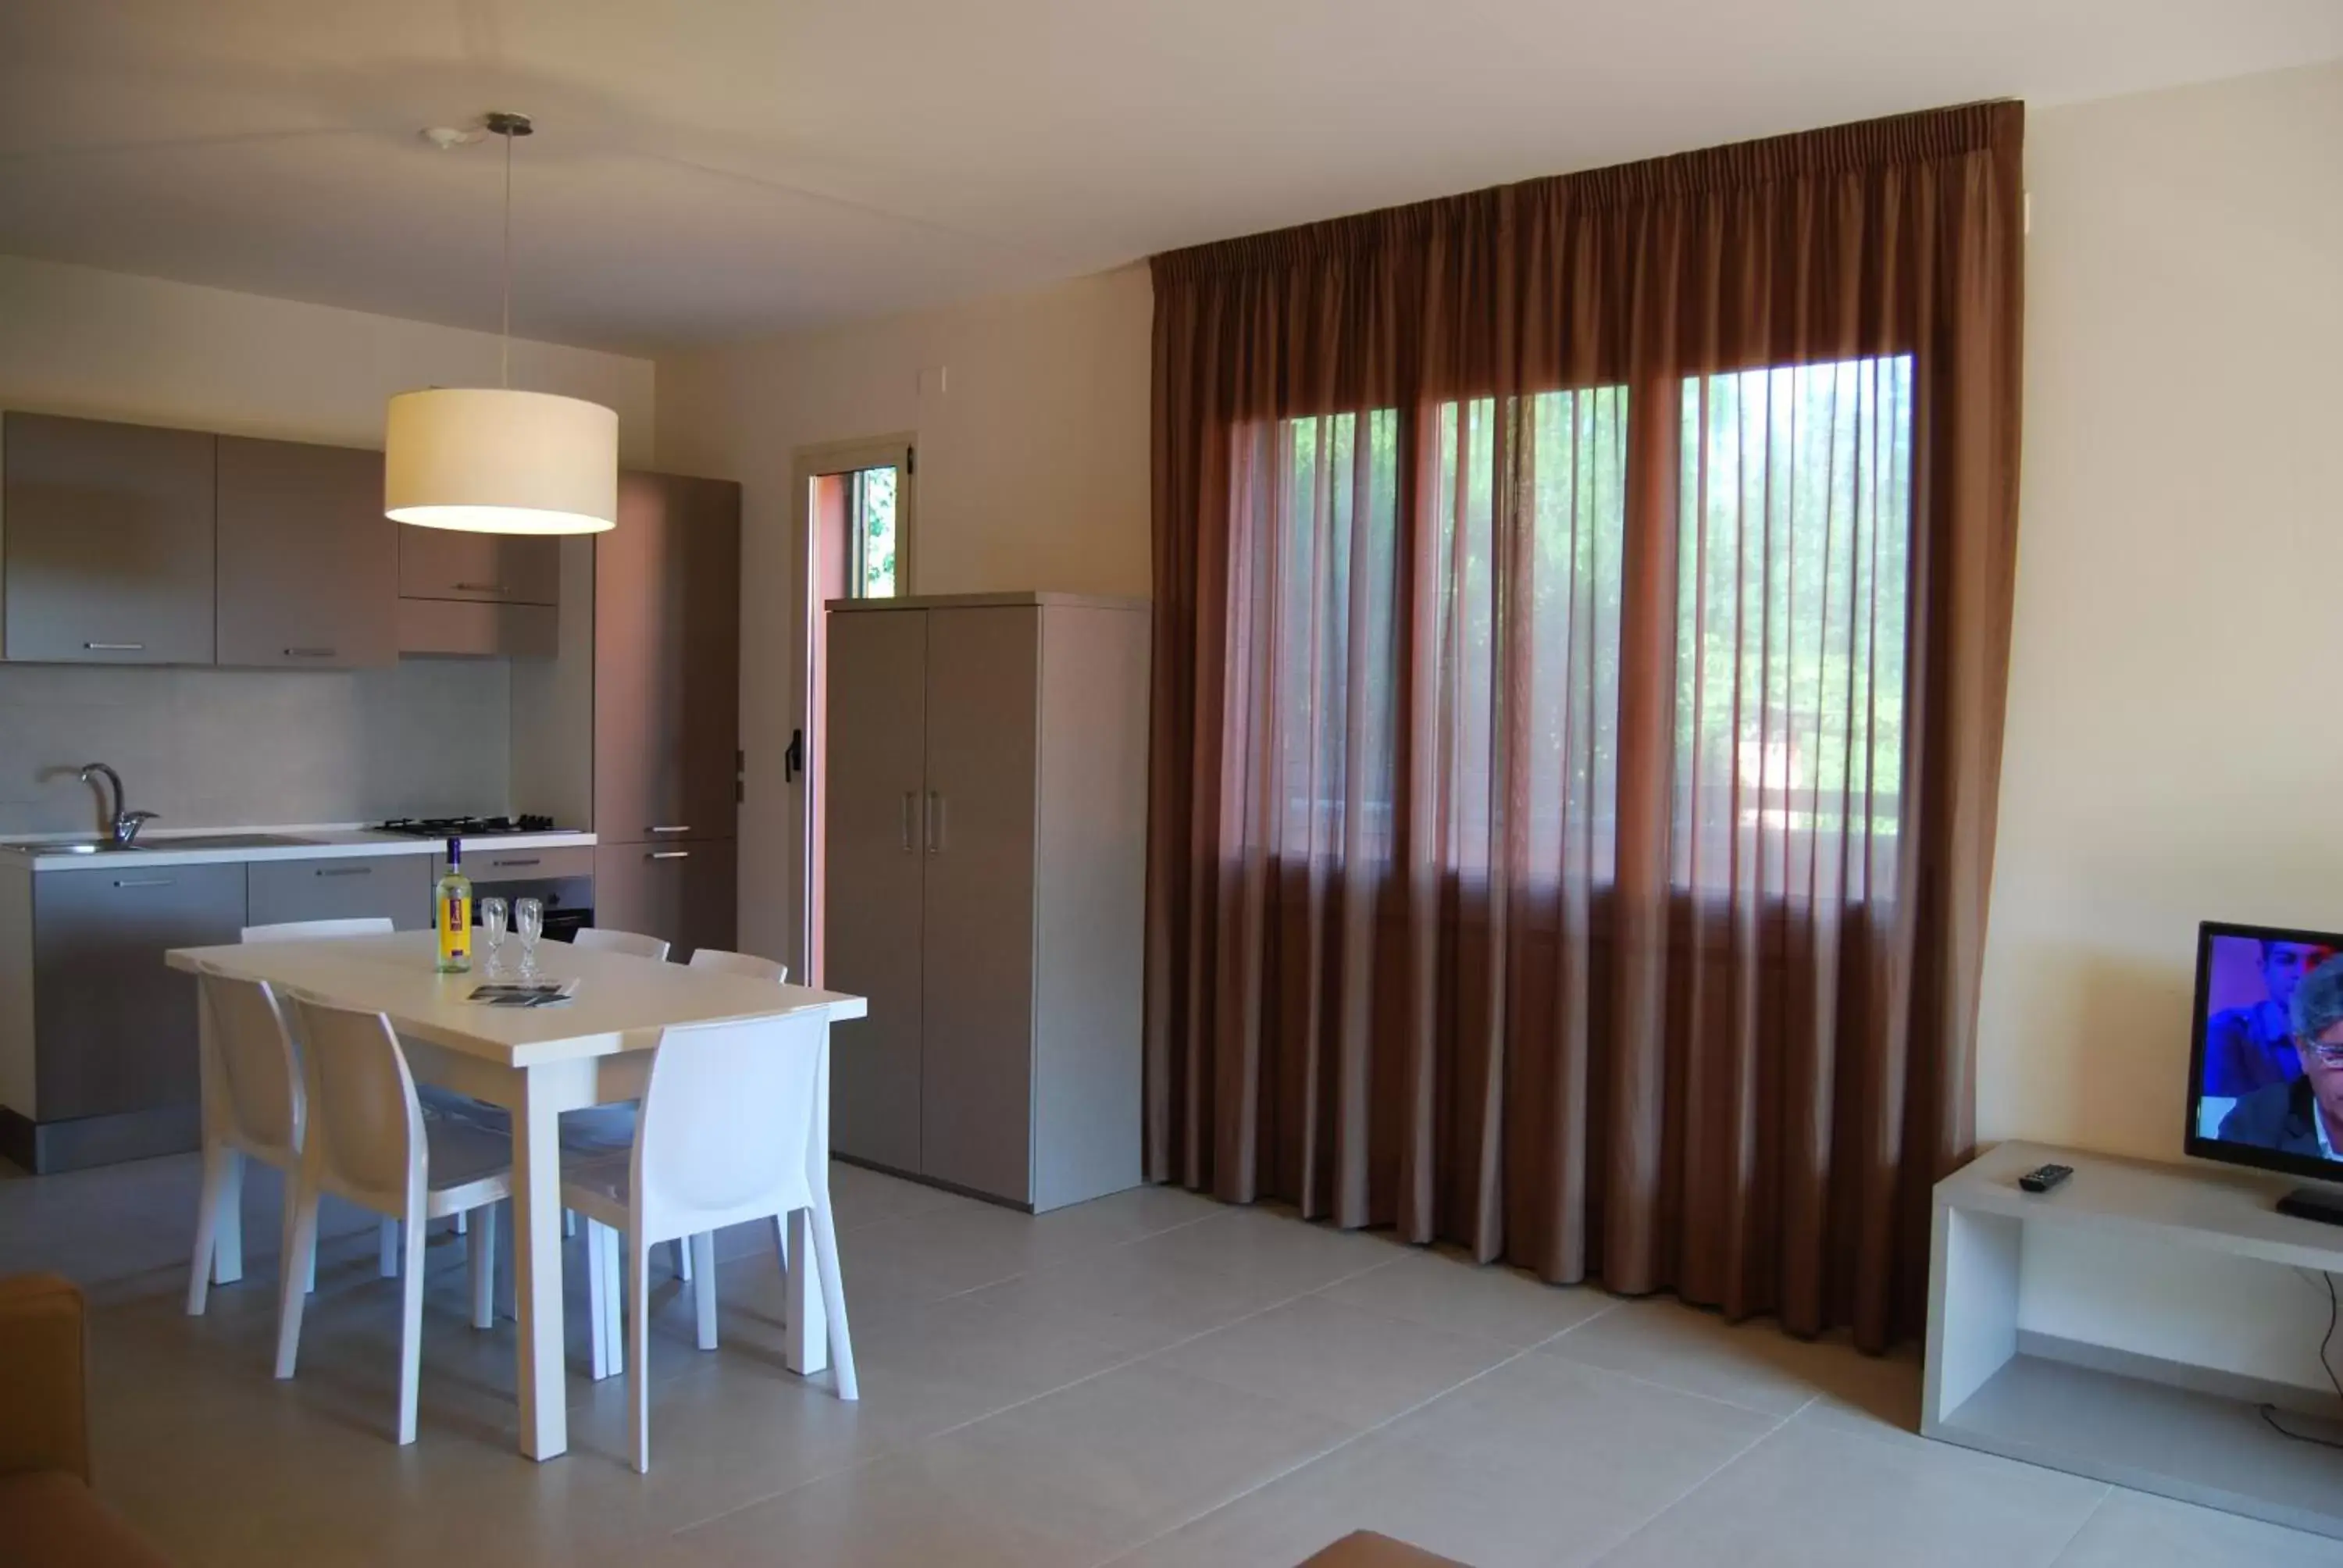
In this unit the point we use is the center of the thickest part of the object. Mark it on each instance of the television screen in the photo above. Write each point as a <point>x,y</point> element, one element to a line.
<point>2265,1075</point>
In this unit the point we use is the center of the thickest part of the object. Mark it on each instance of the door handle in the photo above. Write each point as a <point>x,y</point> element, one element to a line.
<point>345,870</point>
<point>669,855</point>
<point>911,798</point>
<point>793,759</point>
<point>935,822</point>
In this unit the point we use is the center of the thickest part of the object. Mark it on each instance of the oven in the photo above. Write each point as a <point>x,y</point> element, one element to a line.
<point>560,880</point>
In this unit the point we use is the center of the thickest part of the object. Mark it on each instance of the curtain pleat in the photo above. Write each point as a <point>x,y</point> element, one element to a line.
<point>1583,615</point>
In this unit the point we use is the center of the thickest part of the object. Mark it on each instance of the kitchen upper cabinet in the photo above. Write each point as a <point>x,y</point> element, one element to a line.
<point>666,661</point>
<point>493,569</point>
<point>684,893</point>
<point>108,550</point>
<point>307,561</point>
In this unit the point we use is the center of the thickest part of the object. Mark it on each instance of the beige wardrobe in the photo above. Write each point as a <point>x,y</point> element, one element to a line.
<point>986,804</point>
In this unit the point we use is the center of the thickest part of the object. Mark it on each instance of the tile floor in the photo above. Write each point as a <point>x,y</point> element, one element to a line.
<point>1152,1379</point>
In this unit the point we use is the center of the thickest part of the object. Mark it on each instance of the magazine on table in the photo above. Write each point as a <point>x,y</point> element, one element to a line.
<point>525,993</point>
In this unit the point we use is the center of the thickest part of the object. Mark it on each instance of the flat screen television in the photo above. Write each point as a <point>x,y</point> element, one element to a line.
<point>2258,1093</point>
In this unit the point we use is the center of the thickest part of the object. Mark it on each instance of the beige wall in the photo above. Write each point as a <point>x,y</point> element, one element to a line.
<point>222,748</point>
<point>2172,754</point>
<point>1032,474</point>
<point>76,340</point>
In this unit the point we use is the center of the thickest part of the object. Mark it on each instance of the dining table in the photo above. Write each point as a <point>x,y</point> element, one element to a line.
<point>594,1049</point>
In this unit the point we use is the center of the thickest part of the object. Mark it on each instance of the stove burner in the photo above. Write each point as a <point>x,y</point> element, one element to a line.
<point>464,827</point>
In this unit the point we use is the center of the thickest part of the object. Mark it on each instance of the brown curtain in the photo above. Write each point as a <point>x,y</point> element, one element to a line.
<point>1583,612</point>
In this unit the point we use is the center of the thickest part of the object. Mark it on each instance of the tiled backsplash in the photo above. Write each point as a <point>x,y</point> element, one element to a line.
<point>237,748</point>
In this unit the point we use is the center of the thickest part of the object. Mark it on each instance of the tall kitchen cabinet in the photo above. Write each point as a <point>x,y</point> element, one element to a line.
<point>667,711</point>
<point>985,807</point>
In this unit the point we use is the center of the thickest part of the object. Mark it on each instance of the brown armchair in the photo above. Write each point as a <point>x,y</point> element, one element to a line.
<point>48,1515</point>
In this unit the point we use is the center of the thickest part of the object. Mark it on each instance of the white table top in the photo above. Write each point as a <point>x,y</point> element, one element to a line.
<point>622,1004</point>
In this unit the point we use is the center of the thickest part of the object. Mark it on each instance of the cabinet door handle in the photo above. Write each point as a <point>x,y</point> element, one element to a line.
<point>911,799</point>
<point>345,870</point>
<point>115,646</point>
<point>530,861</point>
<point>935,822</point>
<point>655,830</point>
<point>669,855</point>
<point>143,882</point>
<point>311,652</point>
<point>479,587</point>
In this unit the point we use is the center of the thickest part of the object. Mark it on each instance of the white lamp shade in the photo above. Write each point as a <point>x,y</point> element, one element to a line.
<point>501,462</point>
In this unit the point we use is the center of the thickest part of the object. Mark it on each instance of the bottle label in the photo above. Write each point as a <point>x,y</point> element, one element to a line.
<point>454,927</point>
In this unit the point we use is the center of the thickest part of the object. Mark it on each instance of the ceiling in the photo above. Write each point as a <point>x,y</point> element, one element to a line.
<point>729,168</point>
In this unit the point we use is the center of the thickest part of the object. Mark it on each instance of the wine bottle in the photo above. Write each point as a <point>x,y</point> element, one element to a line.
<point>451,914</point>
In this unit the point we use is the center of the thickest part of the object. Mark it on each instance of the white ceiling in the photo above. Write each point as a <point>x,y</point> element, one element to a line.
<point>708,169</point>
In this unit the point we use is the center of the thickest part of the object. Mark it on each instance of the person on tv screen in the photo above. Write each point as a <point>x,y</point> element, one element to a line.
<point>2304,1116</point>
<point>2252,1047</point>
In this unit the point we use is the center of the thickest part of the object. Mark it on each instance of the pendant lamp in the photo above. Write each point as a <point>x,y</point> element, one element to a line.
<point>492,460</point>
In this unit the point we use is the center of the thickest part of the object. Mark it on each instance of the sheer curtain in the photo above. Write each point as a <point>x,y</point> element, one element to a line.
<point>1582,611</point>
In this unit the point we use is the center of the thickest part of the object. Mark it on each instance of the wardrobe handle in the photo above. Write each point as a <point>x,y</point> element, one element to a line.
<point>935,821</point>
<point>909,798</point>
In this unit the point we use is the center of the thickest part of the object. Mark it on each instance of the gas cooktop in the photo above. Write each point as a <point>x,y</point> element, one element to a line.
<point>464,827</point>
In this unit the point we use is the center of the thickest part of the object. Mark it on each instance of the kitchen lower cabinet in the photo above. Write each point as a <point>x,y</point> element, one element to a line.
<point>117,1029</point>
<point>682,891</point>
<point>342,888</point>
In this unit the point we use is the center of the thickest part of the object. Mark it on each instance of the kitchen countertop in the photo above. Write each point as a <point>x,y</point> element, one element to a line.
<point>317,843</point>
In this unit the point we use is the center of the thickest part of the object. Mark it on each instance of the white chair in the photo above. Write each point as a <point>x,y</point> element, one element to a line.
<point>312,930</point>
<point>255,1110</point>
<point>748,965</point>
<point>597,938</point>
<point>731,1132</point>
<point>366,1142</point>
<point>258,1066</point>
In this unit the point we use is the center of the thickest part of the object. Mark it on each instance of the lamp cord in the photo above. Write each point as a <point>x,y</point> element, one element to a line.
<point>503,342</point>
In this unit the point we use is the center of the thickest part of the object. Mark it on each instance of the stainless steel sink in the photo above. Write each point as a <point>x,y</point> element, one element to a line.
<point>184,841</point>
<point>79,847</point>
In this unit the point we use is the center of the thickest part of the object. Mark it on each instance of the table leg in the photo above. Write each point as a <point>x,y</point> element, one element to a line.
<point>537,1271</point>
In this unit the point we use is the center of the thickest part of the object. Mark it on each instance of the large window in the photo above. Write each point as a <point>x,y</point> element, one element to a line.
<point>1791,569</point>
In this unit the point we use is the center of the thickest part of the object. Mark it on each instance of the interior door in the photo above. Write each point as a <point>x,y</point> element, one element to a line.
<point>875,767</point>
<point>977,1070</point>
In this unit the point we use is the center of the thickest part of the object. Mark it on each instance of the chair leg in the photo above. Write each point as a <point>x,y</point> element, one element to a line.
<point>598,1285</point>
<point>569,1223</point>
<point>782,1256</point>
<point>217,1157</point>
<point>300,1253</point>
<point>388,1245</point>
<point>638,1345</point>
<point>833,1295</point>
<point>613,1330</point>
<point>463,1222</point>
<point>703,1288</point>
<point>508,1298</point>
<point>682,1245</point>
<point>410,1328</point>
<point>481,1241</point>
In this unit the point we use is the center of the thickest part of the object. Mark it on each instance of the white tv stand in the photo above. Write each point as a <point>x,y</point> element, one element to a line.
<point>2196,1433</point>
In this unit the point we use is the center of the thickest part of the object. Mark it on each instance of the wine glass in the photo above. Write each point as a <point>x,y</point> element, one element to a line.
<point>492,925</point>
<point>529,922</point>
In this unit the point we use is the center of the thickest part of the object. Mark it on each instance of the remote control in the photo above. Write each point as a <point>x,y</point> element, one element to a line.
<point>2042,1177</point>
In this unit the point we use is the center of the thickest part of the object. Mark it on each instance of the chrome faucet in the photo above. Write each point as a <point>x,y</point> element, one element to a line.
<point>122,823</point>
